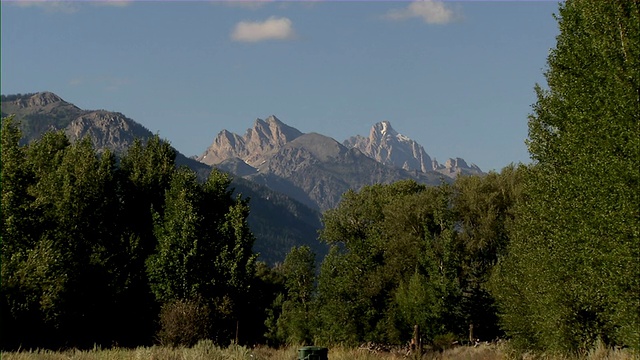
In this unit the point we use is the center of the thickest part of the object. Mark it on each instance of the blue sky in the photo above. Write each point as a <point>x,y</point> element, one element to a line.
<point>457,77</point>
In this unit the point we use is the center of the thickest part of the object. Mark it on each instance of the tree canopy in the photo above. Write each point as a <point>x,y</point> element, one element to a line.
<point>90,243</point>
<point>571,275</point>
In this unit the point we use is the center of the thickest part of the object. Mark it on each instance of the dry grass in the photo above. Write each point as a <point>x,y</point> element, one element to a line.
<point>206,350</point>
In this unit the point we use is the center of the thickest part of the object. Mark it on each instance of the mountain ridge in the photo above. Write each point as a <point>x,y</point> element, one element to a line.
<point>277,220</point>
<point>389,147</point>
<point>313,168</point>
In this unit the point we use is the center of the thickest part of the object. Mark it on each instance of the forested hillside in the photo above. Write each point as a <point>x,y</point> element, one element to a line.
<point>277,221</point>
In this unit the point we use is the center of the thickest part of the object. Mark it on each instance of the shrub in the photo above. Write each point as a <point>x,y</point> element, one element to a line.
<point>183,323</point>
<point>443,342</point>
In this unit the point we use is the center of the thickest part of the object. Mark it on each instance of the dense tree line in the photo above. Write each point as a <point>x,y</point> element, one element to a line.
<point>94,247</point>
<point>106,250</point>
<point>546,254</point>
<point>401,255</point>
<point>572,273</point>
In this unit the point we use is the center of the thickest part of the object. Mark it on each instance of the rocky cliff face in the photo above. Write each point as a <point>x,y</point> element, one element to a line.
<point>455,167</point>
<point>46,111</point>
<point>257,144</point>
<point>389,147</point>
<point>40,112</point>
<point>313,169</point>
<point>107,130</point>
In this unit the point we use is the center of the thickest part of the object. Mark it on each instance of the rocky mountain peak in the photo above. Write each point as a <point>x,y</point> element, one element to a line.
<point>272,119</point>
<point>389,147</point>
<point>37,100</point>
<point>265,137</point>
<point>43,99</point>
<point>456,166</point>
<point>273,130</point>
<point>107,130</point>
<point>383,128</point>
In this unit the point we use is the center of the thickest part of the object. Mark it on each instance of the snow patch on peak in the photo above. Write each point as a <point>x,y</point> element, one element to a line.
<point>403,138</point>
<point>385,127</point>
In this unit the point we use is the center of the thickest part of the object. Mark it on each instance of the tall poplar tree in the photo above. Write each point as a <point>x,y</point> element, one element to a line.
<point>572,275</point>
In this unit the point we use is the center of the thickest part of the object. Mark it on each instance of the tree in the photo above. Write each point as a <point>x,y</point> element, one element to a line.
<point>143,177</point>
<point>204,246</point>
<point>570,276</point>
<point>57,239</point>
<point>365,264</point>
<point>178,270</point>
<point>483,207</point>
<point>396,260</point>
<point>295,323</point>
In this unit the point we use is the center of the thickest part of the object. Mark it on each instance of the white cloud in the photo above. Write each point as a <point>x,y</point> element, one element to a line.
<point>114,3</point>
<point>246,4</point>
<point>66,7</point>
<point>430,11</point>
<point>271,29</point>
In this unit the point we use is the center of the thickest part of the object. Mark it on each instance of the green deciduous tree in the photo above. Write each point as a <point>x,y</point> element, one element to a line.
<point>571,273</point>
<point>483,207</point>
<point>143,177</point>
<point>295,325</point>
<point>391,242</point>
<point>204,248</point>
<point>405,254</point>
<point>56,265</point>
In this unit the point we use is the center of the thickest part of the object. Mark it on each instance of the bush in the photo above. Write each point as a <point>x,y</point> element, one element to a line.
<point>183,323</point>
<point>443,342</point>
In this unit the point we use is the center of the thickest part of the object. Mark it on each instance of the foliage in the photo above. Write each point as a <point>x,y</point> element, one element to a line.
<point>570,277</point>
<point>404,254</point>
<point>78,228</point>
<point>183,323</point>
<point>204,246</point>
<point>56,236</point>
<point>295,324</point>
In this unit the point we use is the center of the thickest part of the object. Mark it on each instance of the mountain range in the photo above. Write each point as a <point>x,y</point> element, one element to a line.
<point>290,176</point>
<point>389,147</point>
<point>317,170</point>
<point>277,221</point>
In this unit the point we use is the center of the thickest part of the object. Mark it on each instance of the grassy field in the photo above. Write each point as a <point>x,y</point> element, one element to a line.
<point>206,350</point>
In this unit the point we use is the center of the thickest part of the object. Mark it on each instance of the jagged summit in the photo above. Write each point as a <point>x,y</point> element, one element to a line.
<point>384,129</point>
<point>313,168</point>
<point>265,137</point>
<point>456,166</point>
<point>389,147</point>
